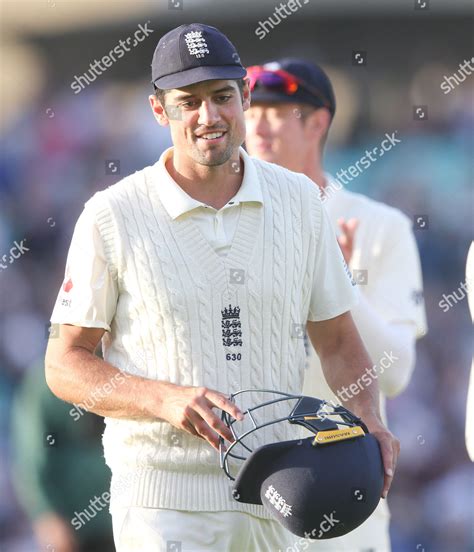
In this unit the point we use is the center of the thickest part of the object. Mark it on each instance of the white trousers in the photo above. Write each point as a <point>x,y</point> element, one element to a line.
<point>139,529</point>
<point>157,530</point>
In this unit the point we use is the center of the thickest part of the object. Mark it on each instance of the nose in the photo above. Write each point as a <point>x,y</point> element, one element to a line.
<point>208,114</point>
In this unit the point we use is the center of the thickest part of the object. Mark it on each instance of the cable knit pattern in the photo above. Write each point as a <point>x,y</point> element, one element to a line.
<point>278,265</point>
<point>172,289</point>
<point>281,268</point>
<point>256,352</point>
<point>174,282</point>
<point>296,206</point>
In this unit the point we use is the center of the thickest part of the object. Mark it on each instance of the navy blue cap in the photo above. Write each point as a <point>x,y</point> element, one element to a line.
<point>308,73</point>
<point>194,53</point>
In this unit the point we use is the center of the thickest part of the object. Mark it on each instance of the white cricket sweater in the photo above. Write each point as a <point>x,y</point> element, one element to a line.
<point>180,307</point>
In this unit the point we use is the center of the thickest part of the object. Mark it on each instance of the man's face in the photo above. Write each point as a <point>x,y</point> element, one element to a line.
<point>207,120</point>
<point>277,133</point>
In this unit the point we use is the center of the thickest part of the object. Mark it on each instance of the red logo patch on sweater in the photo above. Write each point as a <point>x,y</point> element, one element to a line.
<point>67,286</point>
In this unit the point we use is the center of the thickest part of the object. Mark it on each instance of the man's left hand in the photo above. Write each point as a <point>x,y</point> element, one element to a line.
<point>389,446</point>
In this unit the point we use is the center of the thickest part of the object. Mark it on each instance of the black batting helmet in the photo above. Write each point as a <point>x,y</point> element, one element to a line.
<point>319,487</point>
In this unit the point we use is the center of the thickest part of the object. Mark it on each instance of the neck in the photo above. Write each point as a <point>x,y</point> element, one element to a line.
<point>313,169</point>
<point>214,186</point>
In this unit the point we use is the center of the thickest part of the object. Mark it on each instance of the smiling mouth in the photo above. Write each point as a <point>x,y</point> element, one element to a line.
<point>212,136</point>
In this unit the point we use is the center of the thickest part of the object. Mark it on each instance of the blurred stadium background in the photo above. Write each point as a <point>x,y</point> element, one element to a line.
<point>57,146</point>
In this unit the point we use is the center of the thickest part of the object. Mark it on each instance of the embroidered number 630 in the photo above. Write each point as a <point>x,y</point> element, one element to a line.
<point>233,356</point>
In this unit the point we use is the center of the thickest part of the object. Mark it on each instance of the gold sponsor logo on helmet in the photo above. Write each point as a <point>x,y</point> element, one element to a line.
<point>325,437</point>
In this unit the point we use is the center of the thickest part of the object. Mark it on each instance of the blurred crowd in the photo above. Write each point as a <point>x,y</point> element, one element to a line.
<point>65,147</point>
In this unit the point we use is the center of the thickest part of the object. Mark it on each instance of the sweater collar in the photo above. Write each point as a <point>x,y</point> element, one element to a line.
<point>176,201</point>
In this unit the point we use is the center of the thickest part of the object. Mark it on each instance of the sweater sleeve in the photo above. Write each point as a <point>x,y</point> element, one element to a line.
<point>89,293</point>
<point>332,291</point>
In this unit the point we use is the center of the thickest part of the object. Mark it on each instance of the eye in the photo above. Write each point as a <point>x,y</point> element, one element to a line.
<point>224,99</point>
<point>189,104</point>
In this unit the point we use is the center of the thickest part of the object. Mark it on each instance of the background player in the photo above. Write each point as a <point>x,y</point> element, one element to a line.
<point>293,105</point>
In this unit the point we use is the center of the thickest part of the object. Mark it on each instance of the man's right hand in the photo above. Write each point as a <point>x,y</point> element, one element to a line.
<point>75,374</point>
<point>347,237</point>
<point>190,409</point>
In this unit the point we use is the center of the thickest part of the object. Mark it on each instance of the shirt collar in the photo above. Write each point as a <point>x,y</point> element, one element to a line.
<point>176,201</point>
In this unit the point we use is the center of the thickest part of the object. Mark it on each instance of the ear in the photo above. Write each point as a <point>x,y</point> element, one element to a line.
<point>158,110</point>
<point>317,124</point>
<point>246,96</point>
